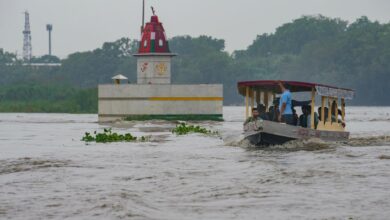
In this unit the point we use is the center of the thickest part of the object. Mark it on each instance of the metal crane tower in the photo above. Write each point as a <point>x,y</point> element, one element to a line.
<point>27,48</point>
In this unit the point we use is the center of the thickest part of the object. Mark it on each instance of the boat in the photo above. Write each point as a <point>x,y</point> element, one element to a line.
<point>268,132</point>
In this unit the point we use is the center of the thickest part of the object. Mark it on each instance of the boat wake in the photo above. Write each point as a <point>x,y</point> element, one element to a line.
<point>234,140</point>
<point>313,144</point>
<point>296,145</point>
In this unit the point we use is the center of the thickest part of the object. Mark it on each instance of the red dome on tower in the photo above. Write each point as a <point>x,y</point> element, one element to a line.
<point>153,38</point>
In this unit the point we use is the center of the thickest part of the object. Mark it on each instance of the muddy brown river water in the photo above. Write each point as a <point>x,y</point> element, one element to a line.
<point>46,172</point>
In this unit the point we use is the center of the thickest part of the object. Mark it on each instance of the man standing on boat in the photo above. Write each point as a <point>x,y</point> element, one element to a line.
<point>285,106</point>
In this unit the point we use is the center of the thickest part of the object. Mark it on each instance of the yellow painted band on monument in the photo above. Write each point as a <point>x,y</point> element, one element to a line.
<point>186,99</point>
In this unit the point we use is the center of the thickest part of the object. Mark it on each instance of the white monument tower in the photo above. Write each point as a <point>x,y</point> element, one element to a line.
<point>154,56</point>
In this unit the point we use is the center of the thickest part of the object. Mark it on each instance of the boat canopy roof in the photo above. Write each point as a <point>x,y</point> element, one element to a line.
<point>295,86</point>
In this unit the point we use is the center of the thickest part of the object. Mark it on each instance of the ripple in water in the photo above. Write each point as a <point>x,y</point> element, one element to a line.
<point>29,164</point>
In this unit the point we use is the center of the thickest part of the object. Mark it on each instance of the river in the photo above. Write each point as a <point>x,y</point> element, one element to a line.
<point>46,172</point>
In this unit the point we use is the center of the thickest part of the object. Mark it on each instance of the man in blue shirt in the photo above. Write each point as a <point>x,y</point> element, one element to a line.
<point>285,106</point>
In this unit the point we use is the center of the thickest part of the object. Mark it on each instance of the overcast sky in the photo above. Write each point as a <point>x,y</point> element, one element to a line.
<point>80,25</point>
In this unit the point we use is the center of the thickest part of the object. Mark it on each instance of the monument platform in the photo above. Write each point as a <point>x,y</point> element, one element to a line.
<point>161,102</point>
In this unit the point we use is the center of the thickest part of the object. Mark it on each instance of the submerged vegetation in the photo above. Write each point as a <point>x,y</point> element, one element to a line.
<point>109,136</point>
<point>183,129</point>
<point>188,117</point>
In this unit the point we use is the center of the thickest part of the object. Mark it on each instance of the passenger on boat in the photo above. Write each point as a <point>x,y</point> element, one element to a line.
<point>303,117</point>
<point>271,112</point>
<point>254,117</point>
<point>319,112</point>
<point>285,106</point>
<point>325,112</point>
<point>336,113</point>
<point>295,117</point>
<point>262,112</point>
<point>333,115</point>
<point>316,118</point>
<point>275,110</point>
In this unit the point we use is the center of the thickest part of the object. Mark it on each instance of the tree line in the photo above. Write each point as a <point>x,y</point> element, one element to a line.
<point>310,48</point>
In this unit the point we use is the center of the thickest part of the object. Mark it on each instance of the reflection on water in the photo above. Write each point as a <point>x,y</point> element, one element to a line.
<point>47,172</point>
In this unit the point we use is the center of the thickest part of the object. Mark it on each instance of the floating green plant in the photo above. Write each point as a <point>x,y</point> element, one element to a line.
<point>183,128</point>
<point>109,136</point>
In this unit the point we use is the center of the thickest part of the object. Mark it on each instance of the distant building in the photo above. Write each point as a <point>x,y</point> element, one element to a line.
<point>37,65</point>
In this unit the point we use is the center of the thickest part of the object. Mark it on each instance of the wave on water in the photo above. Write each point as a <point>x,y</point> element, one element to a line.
<point>382,140</point>
<point>28,164</point>
<point>384,157</point>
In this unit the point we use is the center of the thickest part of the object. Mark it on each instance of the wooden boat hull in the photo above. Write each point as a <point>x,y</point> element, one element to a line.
<point>274,133</point>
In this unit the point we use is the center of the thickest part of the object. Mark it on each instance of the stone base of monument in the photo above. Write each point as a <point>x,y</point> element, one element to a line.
<point>160,102</point>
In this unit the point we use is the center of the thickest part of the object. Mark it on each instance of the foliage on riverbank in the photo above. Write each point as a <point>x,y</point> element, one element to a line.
<point>47,98</point>
<point>310,48</point>
<point>183,129</point>
<point>108,136</point>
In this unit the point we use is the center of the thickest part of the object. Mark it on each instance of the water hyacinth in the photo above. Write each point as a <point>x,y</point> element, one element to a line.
<point>183,129</point>
<point>109,136</point>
